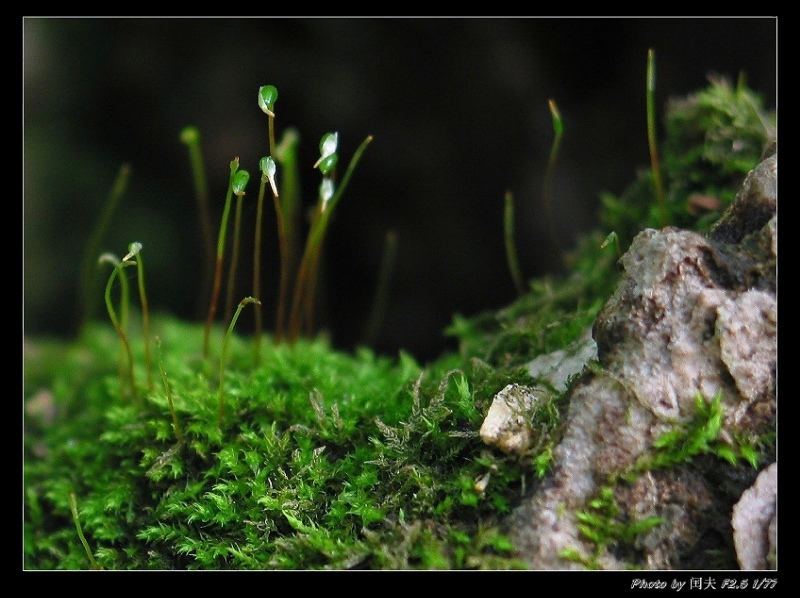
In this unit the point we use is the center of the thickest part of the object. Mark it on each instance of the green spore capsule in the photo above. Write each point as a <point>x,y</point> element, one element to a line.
<point>267,94</point>
<point>327,146</point>
<point>268,169</point>
<point>328,163</point>
<point>240,180</point>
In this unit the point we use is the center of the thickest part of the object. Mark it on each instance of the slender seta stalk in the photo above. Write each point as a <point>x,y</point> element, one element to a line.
<point>224,354</point>
<point>267,95</point>
<point>287,211</point>
<point>135,250</point>
<point>191,137</point>
<point>268,169</point>
<point>306,275</point>
<point>511,249</point>
<point>215,291</point>
<point>73,507</point>
<point>651,135</point>
<point>115,321</point>
<point>240,181</point>
<point>558,127</point>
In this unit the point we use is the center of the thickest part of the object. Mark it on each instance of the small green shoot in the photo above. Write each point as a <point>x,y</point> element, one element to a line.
<point>511,248</point>
<point>223,227</point>
<point>600,524</point>
<point>240,180</point>
<point>558,127</point>
<point>224,354</point>
<point>73,506</point>
<point>651,135</point>
<point>701,436</point>
<point>191,137</point>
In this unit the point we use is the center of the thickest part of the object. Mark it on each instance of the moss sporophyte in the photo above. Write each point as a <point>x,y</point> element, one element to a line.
<point>291,455</point>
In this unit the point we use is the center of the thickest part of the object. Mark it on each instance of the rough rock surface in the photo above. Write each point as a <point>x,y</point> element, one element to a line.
<point>754,522</point>
<point>692,313</point>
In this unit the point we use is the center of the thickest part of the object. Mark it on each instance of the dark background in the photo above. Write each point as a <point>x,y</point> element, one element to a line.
<point>458,111</point>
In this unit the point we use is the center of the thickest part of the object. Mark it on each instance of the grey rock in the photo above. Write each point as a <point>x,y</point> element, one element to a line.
<point>692,313</point>
<point>754,522</point>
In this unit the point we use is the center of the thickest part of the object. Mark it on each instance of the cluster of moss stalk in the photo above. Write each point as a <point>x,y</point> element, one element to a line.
<point>290,455</point>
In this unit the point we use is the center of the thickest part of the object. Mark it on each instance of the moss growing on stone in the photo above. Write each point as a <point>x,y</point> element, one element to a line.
<point>325,459</point>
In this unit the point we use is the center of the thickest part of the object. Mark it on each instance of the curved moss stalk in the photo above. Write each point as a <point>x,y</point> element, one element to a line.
<point>558,127</point>
<point>73,507</point>
<point>120,325</point>
<point>191,137</point>
<point>511,248</point>
<point>215,291</point>
<point>223,356</point>
<point>302,301</point>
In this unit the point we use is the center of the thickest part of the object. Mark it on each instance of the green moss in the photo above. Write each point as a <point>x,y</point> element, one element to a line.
<point>327,459</point>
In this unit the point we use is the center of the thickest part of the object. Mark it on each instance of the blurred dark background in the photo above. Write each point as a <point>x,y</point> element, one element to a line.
<point>458,110</point>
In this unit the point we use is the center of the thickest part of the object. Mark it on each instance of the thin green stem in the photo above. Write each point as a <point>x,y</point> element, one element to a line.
<point>558,127</point>
<point>191,137</point>
<point>215,291</point>
<point>145,319</point>
<point>73,507</point>
<point>287,213</point>
<point>257,268</point>
<point>224,355</point>
<point>237,225</point>
<point>511,248</point>
<point>115,321</point>
<point>651,135</point>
